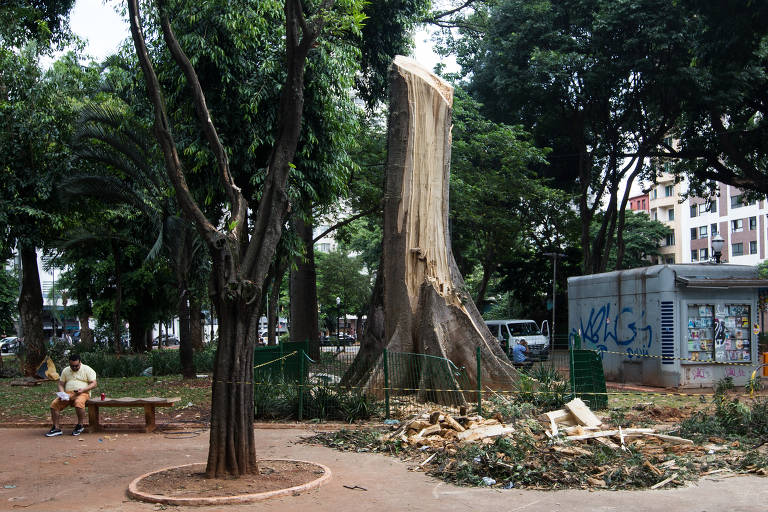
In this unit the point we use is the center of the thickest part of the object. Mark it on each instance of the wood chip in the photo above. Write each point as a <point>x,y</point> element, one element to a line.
<point>571,450</point>
<point>664,482</point>
<point>607,443</point>
<point>596,482</point>
<point>653,468</point>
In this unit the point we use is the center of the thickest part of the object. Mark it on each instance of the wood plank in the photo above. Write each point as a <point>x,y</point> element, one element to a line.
<point>582,413</point>
<point>128,401</point>
<point>628,432</point>
<point>475,434</point>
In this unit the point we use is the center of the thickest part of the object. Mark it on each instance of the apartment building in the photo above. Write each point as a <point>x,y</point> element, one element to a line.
<point>639,203</point>
<point>741,224</point>
<point>664,206</point>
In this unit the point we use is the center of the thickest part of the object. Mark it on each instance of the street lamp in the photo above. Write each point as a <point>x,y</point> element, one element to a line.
<point>338,314</point>
<point>717,247</point>
<point>554,256</point>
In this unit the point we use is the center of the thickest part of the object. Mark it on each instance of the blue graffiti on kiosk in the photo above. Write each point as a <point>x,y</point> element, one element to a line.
<point>602,330</point>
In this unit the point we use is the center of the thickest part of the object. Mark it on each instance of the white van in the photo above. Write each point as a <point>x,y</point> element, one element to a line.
<point>510,332</point>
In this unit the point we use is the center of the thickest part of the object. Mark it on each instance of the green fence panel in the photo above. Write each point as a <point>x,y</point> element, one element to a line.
<point>588,379</point>
<point>287,369</point>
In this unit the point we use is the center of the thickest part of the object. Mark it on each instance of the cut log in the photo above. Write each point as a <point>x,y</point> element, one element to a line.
<point>484,432</point>
<point>628,432</point>
<point>419,304</point>
<point>453,423</point>
<point>582,413</point>
<point>432,429</point>
<point>571,450</point>
<point>607,443</point>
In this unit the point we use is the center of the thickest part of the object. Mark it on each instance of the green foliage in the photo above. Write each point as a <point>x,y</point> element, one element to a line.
<point>9,296</point>
<point>162,362</point>
<point>45,22</point>
<point>276,399</point>
<point>341,275</point>
<point>732,419</point>
<point>642,237</point>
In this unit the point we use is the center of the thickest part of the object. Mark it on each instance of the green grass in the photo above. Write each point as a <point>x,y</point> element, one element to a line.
<point>32,403</point>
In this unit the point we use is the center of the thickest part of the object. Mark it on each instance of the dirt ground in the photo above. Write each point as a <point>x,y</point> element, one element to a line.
<point>91,473</point>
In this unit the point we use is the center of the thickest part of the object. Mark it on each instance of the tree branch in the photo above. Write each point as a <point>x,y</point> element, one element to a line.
<point>236,199</point>
<point>162,130</point>
<point>345,222</point>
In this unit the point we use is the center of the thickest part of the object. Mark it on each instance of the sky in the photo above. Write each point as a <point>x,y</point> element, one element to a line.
<point>98,22</point>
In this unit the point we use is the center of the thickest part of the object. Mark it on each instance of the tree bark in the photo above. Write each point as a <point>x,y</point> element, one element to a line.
<point>86,333</point>
<point>116,316</point>
<point>425,307</point>
<point>303,289</point>
<point>31,310</point>
<point>195,324</point>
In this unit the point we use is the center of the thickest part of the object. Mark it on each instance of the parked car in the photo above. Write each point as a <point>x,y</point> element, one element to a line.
<point>9,345</point>
<point>510,332</point>
<point>168,340</point>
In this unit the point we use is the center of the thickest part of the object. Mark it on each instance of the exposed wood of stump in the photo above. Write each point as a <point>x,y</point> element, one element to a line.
<point>419,303</point>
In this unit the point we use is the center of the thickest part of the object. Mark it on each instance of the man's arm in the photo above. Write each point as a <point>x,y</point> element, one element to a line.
<point>92,384</point>
<point>61,385</point>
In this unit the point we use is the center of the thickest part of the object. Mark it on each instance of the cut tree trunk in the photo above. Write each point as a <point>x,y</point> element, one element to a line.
<point>422,302</point>
<point>31,310</point>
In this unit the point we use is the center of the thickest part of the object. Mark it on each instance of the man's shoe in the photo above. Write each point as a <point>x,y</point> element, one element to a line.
<point>77,430</point>
<point>53,432</point>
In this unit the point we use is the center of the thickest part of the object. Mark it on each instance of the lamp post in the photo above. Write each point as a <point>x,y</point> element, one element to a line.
<point>717,247</point>
<point>554,256</point>
<point>338,313</point>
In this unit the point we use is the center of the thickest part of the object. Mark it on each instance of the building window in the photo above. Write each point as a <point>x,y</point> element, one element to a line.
<point>752,223</point>
<point>643,204</point>
<point>694,255</point>
<point>654,194</point>
<point>712,206</point>
<point>694,233</point>
<point>737,225</point>
<point>671,214</point>
<point>704,254</point>
<point>669,260</point>
<point>694,210</point>
<point>670,239</point>
<point>753,247</point>
<point>703,232</point>
<point>713,229</point>
<point>654,215</point>
<point>737,249</point>
<point>668,190</point>
<point>736,201</point>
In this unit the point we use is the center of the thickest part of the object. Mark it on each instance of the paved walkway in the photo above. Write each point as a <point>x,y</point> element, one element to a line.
<point>90,473</point>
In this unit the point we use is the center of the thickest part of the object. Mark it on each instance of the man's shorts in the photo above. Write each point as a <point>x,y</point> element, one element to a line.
<point>78,402</point>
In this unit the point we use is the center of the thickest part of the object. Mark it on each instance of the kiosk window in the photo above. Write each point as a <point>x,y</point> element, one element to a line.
<point>719,332</point>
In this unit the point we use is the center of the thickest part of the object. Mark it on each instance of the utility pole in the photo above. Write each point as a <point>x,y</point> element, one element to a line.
<point>554,256</point>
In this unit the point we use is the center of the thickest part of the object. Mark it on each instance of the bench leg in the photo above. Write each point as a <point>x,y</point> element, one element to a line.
<point>149,418</point>
<point>93,418</point>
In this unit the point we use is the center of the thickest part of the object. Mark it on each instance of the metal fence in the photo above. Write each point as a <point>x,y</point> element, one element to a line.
<point>291,385</point>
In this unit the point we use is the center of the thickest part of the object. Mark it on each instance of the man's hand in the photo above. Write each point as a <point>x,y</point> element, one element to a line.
<point>78,391</point>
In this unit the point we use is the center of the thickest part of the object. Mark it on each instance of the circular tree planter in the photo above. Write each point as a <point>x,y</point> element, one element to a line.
<point>311,475</point>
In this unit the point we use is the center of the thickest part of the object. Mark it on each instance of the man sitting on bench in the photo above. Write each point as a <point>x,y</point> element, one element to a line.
<point>76,381</point>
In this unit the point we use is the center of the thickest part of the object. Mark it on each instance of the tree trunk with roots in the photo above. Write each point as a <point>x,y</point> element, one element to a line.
<point>419,303</point>
<point>243,251</point>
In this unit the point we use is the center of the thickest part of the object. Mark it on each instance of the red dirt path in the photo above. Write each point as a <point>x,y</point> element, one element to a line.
<point>91,473</point>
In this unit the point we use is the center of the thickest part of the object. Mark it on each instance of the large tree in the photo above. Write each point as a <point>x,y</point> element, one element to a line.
<point>600,101</point>
<point>37,114</point>
<point>242,248</point>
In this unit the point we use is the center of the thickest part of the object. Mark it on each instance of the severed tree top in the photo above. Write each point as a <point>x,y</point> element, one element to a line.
<point>444,88</point>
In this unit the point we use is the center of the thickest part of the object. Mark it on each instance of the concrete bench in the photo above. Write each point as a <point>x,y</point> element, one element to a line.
<point>149,404</point>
